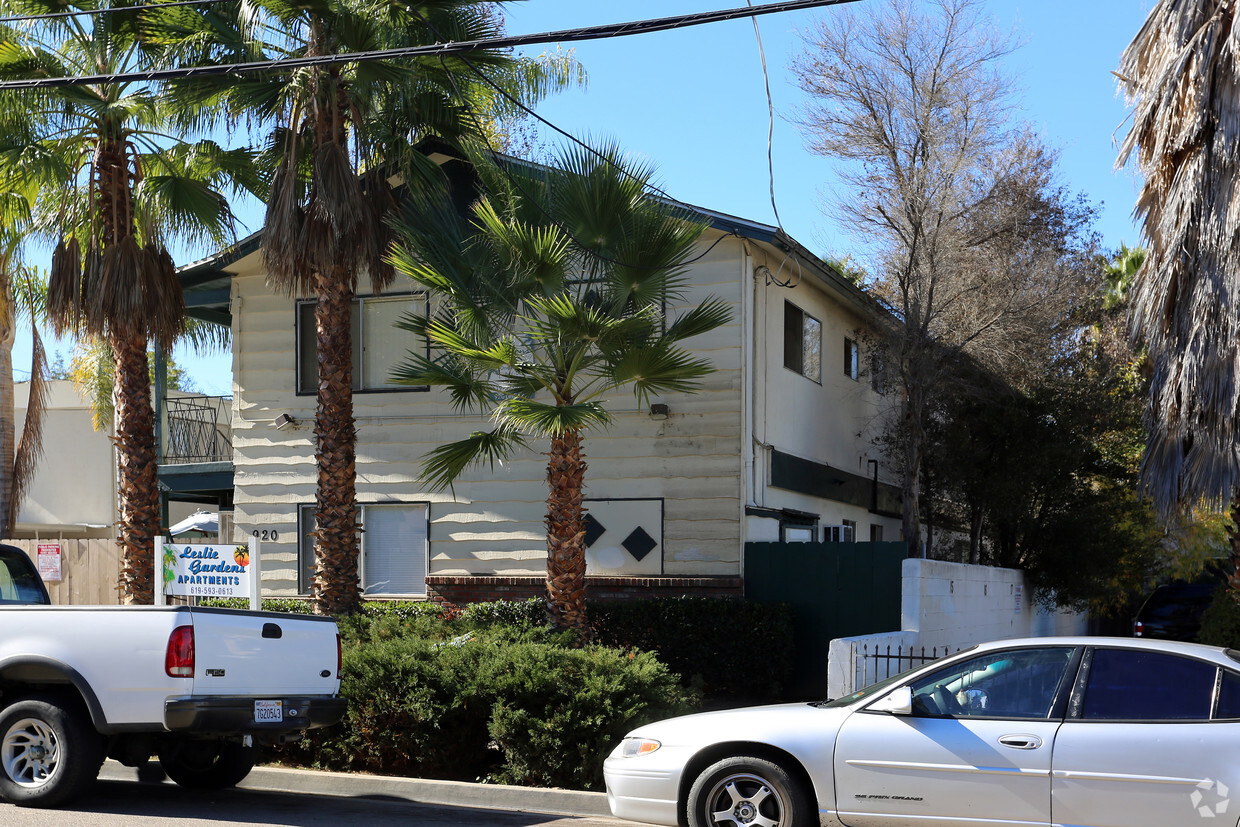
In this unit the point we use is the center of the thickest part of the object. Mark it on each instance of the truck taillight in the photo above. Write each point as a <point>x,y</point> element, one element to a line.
<point>1138,629</point>
<point>339,657</point>
<point>179,659</point>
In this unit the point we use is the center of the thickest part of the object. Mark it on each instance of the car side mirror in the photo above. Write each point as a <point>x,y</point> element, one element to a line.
<point>898,701</point>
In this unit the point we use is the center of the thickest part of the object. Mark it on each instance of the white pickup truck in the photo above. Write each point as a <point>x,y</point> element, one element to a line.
<point>197,687</point>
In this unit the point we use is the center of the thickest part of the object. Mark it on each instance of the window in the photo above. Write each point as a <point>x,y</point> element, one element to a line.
<point>851,529</point>
<point>1229,697</point>
<point>378,345</point>
<point>1018,683</point>
<point>393,548</point>
<point>802,342</point>
<point>876,533</point>
<point>1132,685</point>
<point>798,532</point>
<point>851,359</point>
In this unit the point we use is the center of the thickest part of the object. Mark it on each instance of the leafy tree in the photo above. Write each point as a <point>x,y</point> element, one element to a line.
<point>90,370</point>
<point>338,132</point>
<point>553,292</point>
<point>109,186</point>
<point>947,194</point>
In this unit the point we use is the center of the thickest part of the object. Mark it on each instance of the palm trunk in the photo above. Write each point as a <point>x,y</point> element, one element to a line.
<point>137,461</point>
<point>566,555</point>
<point>8,416</point>
<point>336,588</point>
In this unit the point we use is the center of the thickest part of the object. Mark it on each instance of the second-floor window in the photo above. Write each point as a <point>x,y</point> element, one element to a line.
<point>802,342</point>
<point>852,359</point>
<point>378,345</point>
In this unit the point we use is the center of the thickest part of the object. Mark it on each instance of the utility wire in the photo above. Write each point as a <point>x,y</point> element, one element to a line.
<point>437,50</point>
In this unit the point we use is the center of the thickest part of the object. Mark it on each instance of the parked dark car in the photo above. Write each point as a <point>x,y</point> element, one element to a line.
<point>1173,612</point>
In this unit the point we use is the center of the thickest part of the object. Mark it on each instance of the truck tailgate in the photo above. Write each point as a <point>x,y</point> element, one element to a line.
<point>263,653</point>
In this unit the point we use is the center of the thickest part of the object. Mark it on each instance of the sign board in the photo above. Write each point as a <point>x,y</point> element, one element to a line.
<point>209,570</point>
<point>49,559</point>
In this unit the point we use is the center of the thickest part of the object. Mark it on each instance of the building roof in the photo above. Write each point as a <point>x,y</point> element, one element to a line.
<point>207,283</point>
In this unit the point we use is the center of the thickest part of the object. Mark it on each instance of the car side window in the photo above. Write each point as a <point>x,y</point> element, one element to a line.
<point>1134,685</point>
<point>1017,683</point>
<point>1229,696</point>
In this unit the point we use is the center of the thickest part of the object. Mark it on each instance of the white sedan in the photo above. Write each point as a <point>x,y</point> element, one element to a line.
<point>1106,732</point>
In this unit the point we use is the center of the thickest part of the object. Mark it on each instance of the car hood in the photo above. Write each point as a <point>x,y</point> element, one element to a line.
<point>784,724</point>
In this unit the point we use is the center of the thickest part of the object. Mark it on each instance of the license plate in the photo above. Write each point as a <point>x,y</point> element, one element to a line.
<point>268,711</point>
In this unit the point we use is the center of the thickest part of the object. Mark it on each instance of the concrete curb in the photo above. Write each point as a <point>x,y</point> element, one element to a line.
<point>418,790</point>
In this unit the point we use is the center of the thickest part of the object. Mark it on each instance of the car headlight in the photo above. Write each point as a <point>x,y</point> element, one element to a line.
<point>633,747</point>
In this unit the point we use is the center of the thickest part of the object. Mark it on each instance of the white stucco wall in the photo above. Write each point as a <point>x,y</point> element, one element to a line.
<point>956,605</point>
<point>945,607</point>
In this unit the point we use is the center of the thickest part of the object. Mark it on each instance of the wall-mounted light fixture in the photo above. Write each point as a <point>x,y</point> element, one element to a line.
<point>659,410</point>
<point>284,421</point>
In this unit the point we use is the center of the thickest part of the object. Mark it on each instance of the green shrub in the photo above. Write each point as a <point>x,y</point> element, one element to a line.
<point>531,613</point>
<point>423,708</point>
<point>1220,623</point>
<point>732,647</point>
<point>558,712</point>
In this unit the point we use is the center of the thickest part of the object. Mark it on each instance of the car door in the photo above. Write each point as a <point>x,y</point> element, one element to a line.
<point>1145,744</point>
<point>976,748</point>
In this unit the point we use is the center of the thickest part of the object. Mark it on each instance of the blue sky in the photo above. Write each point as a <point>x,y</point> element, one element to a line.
<point>692,102</point>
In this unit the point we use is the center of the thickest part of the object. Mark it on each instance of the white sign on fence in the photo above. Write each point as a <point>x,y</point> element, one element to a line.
<point>48,556</point>
<point>209,570</point>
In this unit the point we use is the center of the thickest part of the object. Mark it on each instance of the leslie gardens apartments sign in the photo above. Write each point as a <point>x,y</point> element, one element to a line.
<point>209,570</point>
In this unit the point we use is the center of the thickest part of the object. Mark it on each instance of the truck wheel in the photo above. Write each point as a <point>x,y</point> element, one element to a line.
<point>48,752</point>
<point>206,765</point>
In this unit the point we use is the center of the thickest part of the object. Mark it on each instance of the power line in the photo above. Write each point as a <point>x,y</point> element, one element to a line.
<point>437,50</point>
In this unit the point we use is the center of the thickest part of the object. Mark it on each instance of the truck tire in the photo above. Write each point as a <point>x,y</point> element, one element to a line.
<point>49,752</point>
<point>199,764</point>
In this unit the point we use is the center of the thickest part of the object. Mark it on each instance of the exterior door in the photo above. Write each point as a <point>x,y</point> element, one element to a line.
<point>976,750</point>
<point>1142,747</point>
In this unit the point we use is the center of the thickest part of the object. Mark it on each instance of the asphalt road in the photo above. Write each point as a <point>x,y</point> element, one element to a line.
<point>134,804</point>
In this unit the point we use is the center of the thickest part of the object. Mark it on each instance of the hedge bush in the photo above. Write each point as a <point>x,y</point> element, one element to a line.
<point>523,712</point>
<point>1220,623</point>
<point>731,647</point>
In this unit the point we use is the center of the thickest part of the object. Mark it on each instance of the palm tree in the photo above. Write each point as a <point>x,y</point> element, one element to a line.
<point>338,132</point>
<point>1178,74</point>
<point>111,187</point>
<point>1119,274</point>
<point>19,297</point>
<point>553,295</point>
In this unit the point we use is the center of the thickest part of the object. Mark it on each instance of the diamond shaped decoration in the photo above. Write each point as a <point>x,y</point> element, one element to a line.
<point>594,529</point>
<point>639,543</point>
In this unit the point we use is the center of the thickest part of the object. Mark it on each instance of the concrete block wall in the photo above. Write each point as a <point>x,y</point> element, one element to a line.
<point>945,607</point>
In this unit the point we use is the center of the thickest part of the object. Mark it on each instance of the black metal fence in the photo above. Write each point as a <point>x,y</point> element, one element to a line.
<point>880,662</point>
<point>199,430</point>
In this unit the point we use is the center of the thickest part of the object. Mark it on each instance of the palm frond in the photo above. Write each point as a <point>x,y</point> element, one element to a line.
<point>444,465</point>
<point>549,419</point>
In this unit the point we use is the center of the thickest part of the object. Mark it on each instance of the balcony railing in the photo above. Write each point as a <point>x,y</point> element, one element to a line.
<point>199,429</point>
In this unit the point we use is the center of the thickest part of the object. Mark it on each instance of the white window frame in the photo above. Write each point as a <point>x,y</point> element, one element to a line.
<point>852,358</point>
<point>420,541</point>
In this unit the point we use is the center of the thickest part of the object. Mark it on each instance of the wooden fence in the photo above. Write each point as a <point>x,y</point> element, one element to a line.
<point>89,571</point>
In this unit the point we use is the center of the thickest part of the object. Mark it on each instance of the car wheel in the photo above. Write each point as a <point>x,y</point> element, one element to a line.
<point>49,752</point>
<point>744,791</point>
<point>199,764</point>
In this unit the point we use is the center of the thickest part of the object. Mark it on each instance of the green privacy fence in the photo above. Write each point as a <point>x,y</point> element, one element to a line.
<point>835,590</point>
